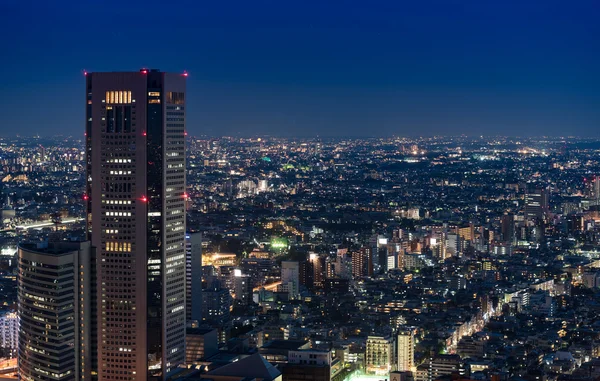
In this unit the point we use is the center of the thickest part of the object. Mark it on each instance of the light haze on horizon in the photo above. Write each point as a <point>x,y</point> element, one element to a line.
<point>333,68</point>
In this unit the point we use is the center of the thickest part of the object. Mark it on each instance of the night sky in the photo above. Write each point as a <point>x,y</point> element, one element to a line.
<point>307,68</point>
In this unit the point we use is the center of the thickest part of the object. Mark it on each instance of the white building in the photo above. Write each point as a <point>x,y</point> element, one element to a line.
<point>9,331</point>
<point>406,350</point>
<point>310,357</point>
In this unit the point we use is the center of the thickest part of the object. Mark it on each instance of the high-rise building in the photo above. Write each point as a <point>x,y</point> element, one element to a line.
<point>507,225</point>
<point>307,274</point>
<point>319,268</point>
<point>290,277</point>
<point>406,350</point>
<point>536,204</point>
<point>135,153</point>
<point>362,262</point>
<point>242,289</point>
<point>54,284</point>
<point>193,276</point>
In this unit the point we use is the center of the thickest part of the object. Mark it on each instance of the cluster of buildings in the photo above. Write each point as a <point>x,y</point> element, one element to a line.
<point>135,252</point>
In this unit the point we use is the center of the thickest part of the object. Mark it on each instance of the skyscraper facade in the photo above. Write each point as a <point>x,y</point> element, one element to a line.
<point>135,146</point>
<point>54,309</point>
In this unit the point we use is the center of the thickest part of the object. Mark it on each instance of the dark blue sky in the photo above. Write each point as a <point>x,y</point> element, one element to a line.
<point>302,67</point>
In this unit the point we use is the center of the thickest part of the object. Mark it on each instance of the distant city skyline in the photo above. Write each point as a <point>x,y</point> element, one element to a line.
<point>316,68</point>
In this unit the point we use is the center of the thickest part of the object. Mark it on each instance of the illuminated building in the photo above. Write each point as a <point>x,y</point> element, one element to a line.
<point>318,265</point>
<point>406,350</point>
<point>536,204</point>
<point>467,233</point>
<point>9,331</point>
<point>362,262</point>
<point>310,364</point>
<point>135,147</point>
<point>242,289</point>
<point>54,291</point>
<point>507,225</point>
<point>379,355</point>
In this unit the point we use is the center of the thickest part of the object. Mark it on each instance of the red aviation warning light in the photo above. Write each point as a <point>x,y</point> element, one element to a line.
<point>185,73</point>
<point>186,196</point>
<point>144,199</point>
<point>144,71</point>
<point>85,197</point>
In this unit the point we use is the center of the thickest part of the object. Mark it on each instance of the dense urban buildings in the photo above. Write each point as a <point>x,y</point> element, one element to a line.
<point>421,259</point>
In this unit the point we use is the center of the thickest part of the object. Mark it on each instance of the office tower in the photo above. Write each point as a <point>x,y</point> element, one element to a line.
<point>536,204</point>
<point>54,296</point>
<point>193,287</point>
<point>379,355</point>
<point>290,277</point>
<point>507,226</point>
<point>9,332</point>
<point>135,152</point>
<point>406,350</point>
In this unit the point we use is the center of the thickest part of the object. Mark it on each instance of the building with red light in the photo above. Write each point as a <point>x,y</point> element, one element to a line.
<point>135,148</point>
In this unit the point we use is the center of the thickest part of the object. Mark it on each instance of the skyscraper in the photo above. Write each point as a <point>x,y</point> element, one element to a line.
<point>135,146</point>
<point>54,309</point>
<point>193,296</point>
<point>507,224</point>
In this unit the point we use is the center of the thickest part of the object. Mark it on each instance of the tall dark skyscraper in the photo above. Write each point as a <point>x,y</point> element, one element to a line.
<point>193,296</point>
<point>135,143</point>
